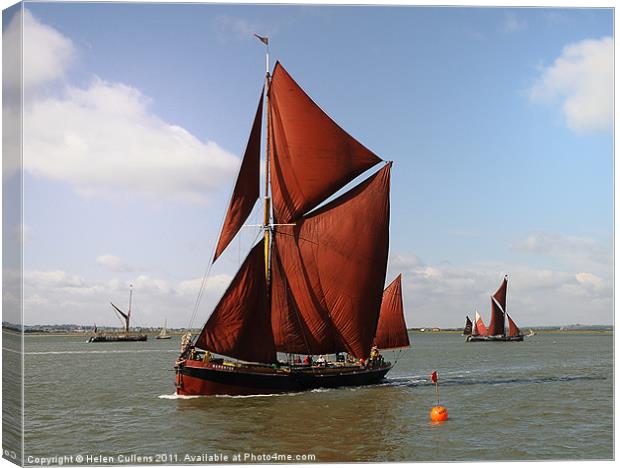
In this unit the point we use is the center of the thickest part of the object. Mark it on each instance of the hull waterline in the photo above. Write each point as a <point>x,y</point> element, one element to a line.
<point>483,339</point>
<point>195,378</point>
<point>116,338</point>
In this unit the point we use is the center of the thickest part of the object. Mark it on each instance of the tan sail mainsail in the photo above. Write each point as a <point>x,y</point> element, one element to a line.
<point>333,263</point>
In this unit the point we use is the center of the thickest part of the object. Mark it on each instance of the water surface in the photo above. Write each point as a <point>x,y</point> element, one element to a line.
<point>550,397</point>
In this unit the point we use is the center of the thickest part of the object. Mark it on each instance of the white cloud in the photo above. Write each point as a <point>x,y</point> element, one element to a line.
<point>578,288</point>
<point>114,263</point>
<point>104,140</point>
<point>46,53</point>
<point>575,251</point>
<point>582,78</point>
<point>59,297</point>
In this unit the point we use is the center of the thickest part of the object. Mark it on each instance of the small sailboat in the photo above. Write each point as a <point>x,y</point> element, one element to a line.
<point>496,331</point>
<point>531,333</point>
<point>315,284</point>
<point>126,334</point>
<point>163,334</point>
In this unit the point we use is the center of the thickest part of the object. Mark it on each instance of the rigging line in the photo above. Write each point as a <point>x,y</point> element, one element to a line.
<point>397,358</point>
<point>198,298</point>
<point>203,288</point>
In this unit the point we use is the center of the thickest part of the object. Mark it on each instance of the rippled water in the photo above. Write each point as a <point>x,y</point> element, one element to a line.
<point>550,397</point>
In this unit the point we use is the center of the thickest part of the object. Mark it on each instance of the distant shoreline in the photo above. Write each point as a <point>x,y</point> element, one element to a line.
<point>416,331</point>
<point>88,333</point>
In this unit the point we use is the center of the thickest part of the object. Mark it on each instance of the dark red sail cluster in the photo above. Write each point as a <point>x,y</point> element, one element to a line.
<point>498,317</point>
<point>328,266</point>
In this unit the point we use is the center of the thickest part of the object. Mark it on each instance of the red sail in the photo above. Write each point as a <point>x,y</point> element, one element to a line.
<point>500,294</point>
<point>479,328</point>
<point>311,156</point>
<point>391,329</point>
<point>496,324</point>
<point>246,189</point>
<point>329,273</point>
<point>240,325</point>
<point>513,330</point>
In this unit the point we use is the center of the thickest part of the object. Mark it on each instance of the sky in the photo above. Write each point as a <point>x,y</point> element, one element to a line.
<point>499,122</point>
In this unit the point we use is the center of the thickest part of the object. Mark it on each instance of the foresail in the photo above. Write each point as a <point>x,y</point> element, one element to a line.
<point>329,272</point>
<point>311,156</point>
<point>513,330</point>
<point>246,189</point>
<point>240,325</point>
<point>391,329</point>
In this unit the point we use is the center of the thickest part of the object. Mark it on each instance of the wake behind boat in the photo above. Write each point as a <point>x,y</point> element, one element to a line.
<point>314,285</point>
<point>496,331</point>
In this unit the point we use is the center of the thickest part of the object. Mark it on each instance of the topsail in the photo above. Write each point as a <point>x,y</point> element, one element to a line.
<point>312,157</point>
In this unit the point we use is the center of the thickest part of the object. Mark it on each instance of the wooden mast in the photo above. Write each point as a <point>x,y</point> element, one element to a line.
<point>129,310</point>
<point>267,226</point>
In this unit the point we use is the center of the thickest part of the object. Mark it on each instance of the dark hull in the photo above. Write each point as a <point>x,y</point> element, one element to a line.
<point>196,378</point>
<point>481,339</point>
<point>115,338</point>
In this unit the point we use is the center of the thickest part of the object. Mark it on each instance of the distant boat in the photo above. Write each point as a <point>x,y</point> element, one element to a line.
<point>531,333</point>
<point>163,334</point>
<point>125,335</point>
<point>496,331</point>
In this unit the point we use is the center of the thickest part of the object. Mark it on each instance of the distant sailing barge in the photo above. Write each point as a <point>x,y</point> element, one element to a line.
<point>125,335</point>
<point>314,285</point>
<point>496,330</point>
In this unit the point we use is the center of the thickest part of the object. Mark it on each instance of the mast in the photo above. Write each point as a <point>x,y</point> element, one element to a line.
<point>129,310</point>
<point>506,332</point>
<point>267,214</point>
<point>267,199</point>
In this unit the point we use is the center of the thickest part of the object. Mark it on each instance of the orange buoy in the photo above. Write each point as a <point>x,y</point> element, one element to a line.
<point>439,413</point>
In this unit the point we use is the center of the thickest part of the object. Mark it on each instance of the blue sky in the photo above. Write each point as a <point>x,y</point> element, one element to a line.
<point>498,121</point>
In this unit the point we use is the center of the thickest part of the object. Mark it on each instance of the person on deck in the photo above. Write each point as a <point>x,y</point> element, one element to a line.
<point>308,360</point>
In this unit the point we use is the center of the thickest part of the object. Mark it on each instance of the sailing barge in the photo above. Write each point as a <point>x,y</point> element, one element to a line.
<point>314,284</point>
<point>496,331</point>
<point>125,335</point>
